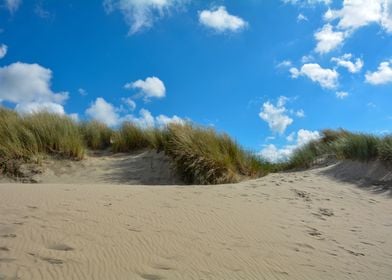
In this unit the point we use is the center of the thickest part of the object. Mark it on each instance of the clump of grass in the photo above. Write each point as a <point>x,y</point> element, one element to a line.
<point>342,145</point>
<point>385,149</point>
<point>360,147</point>
<point>55,134</point>
<point>17,143</point>
<point>131,137</point>
<point>205,157</point>
<point>25,139</point>
<point>96,135</point>
<point>201,155</point>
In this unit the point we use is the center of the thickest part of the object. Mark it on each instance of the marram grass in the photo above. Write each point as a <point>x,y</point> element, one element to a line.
<point>200,155</point>
<point>342,144</point>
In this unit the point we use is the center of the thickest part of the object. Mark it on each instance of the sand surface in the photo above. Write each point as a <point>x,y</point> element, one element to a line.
<point>284,226</point>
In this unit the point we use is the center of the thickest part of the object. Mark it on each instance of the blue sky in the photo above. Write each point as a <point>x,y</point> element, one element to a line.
<point>270,73</point>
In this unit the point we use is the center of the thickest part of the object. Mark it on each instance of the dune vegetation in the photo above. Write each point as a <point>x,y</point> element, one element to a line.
<point>200,155</point>
<point>342,145</point>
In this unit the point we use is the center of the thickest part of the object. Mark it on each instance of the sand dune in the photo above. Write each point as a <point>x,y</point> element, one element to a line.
<point>300,225</point>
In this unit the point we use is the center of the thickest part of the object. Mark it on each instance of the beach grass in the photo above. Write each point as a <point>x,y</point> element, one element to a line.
<point>200,155</point>
<point>343,145</point>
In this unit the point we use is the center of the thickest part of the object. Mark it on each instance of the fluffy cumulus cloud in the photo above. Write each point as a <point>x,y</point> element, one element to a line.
<point>345,61</point>
<point>305,136</point>
<point>12,5</point>
<point>163,120</point>
<point>142,14</point>
<point>107,113</point>
<point>274,154</point>
<point>151,87</point>
<point>104,112</point>
<point>355,14</point>
<point>328,39</point>
<point>383,75</point>
<point>276,115</point>
<point>36,107</point>
<point>327,78</point>
<point>28,86</point>
<point>22,82</point>
<point>220,20</point>
<point>3,50</point>
<point>302,137</point>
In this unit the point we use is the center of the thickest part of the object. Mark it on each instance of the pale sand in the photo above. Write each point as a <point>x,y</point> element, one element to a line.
<point>284,226</point>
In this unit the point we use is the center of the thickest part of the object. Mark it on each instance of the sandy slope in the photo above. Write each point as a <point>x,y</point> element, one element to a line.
<point>284,226</point>
<point>141,167</point>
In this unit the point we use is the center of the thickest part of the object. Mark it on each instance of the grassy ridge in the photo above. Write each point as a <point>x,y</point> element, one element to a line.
<point>201,155</point>
<point>342,144</point>
<point>26,138</point>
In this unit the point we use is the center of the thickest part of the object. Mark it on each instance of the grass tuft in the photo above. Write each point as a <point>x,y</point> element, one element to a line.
<point>96,135</point>
<point>342,144</point>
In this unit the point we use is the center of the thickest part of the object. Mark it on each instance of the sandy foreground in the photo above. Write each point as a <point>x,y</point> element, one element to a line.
<point>300,225</point>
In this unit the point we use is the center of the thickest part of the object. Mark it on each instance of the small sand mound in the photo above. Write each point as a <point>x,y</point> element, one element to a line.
<point>143,167</point>
<point>375,174</point>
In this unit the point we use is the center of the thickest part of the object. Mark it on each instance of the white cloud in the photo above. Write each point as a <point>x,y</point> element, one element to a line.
<point>152,87</point>
<point>82,91</point>
<point>342,94</point>
<point>284,64</point>
<point>36,107</point>
<point>300,113</point>
<point>355,14</point>
<point>291,137</point>
<point>129,103</point>
<point>345,61</point>
<point>383,75</point>
<point>12,5</point>
<point>144,120</point>
<point>104,112</point>
<point>307,59</point>
<point>3,50</point>
<point>28,83</point>
<point>301,17</point>
<point>220,20</point>
<point>142,14</point>
<point>163,120</point>
<point>274,154</point>
<point>305,136</point>
<point>276,116</point>
<point>327,78</point>
<point>307,2</point>
<point>328,39</point>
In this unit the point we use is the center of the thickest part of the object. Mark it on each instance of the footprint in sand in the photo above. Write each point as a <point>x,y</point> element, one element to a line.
<point>10,235</point>
<point>326,212</point>
<point>151,276</point>
<point>302,194</point>
<point>47,259</point>
<point>61,247</point>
